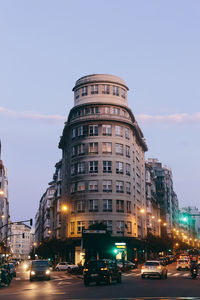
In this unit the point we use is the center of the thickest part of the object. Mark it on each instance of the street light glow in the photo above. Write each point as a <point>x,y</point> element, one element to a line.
<point>64,208</point>
<point>142,210</point>
<point>1,193</point>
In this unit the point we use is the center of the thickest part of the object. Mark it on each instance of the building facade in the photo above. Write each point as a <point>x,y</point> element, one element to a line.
<point>21,240</point>
<point>4,204</point>
<point>103,164</point>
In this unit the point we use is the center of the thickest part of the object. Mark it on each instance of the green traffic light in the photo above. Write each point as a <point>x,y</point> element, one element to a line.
<point>115,251</point>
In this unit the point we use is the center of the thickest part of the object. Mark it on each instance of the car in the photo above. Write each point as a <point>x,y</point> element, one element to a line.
<point>40,269</point>
<point>183,264</point>
<point>102,270</point>
<point>64,266</point>
<point>127,264</point>
<point>153,268</point>
<point>162,261</point>
<point>10,268</point>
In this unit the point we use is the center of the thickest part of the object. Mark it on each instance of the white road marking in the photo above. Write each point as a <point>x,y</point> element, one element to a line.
<point>186,275</point>
<point>176,274</point>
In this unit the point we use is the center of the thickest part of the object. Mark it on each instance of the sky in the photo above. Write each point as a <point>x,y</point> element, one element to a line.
<point>45,46</point>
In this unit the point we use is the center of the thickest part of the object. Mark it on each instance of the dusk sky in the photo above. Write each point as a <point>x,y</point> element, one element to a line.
<point>45,46</point>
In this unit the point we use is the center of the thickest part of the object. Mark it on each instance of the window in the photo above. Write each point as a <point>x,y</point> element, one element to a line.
<point>81,168</point>
<point>120,226</point>
<point>73,188</point>
<point>128,187</point>
<point>80,206</point>
<point>81,186</point>
<point>107,130</point>
<point>82,131</point>
<point>80,226</point>
<point>107,166</point>
<point>129,227</point>
<point>127,133</point>
<point>90,223</point>
<point>107,205</point>
<point>73,207</point>
<point>93,205</point>
<point>128,207</point>
<point>115,90</point>
<point>81,149</point>
<point>74,133</point>
<point>116,111</point>
<point>93,185</point>
<point>120,205</point>
<point>84,91</point>
<point>127,151</point>
<point>73,169</point>
<point>107,110</point>
<point>105,89</point>
<point>94,110</point>
<point>77,93</point>
<point>93,130</point>
<point>93,166</point>
<point>108,224</point>
<point>119,186</point>
<point>85,111</point>
<point>123,113</point>
<point>72,227</point>
<point>107,148</point>
<point>123,93</point>
<point>107,185</point>
<point>128,169</point>
<point>119,149</point>
<point>94,89</point>
<point>74,151</point>
<point>93,148</point>
<point>119,167</point>
<point>118,130</point>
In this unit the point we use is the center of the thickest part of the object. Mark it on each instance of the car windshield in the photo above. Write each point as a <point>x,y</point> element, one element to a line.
<point>96,264</point>
<point>151,263</point>
<point>40,263</point>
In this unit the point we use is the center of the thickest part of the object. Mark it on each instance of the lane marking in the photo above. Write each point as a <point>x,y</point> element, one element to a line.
<point>176,274</point>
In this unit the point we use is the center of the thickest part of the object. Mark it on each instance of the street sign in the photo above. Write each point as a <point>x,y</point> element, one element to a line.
<point>100,231</point>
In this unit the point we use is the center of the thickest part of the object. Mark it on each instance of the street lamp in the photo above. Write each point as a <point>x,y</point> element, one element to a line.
<point>64,208</point>
<point>1,193</point>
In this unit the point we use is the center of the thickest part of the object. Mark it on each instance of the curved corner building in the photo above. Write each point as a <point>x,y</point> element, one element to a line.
<point>103,160</point>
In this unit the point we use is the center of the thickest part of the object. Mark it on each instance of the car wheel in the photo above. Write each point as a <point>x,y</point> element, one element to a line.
<point>119,279</point>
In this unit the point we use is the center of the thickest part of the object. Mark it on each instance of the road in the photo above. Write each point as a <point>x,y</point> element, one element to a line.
<point>64,286</point>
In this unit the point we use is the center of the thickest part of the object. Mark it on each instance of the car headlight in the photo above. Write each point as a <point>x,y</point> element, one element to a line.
<point>47,272</point>
<point>25,266</point>
<point>32,273</point>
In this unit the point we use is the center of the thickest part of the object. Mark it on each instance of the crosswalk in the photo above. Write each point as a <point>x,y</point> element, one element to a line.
<point>172,274</point>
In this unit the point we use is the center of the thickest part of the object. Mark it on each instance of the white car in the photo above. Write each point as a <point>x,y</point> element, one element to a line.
<point>153,268</point>
<point>63,266</point>
<point>183,264</point>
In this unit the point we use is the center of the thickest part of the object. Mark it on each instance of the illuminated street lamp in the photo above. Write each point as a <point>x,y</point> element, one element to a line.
<point>1,193</point>
<point>159,220</point>
<point>64,208</point>
<point>142,210</point>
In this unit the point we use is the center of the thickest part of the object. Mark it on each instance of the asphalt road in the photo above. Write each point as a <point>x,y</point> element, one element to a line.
<point>63,286</point>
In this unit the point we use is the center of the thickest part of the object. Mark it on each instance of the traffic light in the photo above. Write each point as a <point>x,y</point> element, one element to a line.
<point>31,222</point>
<point>184,218</point>
<point>116,251</point>
<point>23,235</point>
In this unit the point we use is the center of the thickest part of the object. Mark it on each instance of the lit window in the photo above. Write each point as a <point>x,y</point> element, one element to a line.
<point>119,149</point>
<point>84,91</point>
<point>93,148</point>
<point>107,147</point>
<point>119,167</point>
<point>93,166</point>
<point>107,166</point>
<point>94,89</point>
<point>72,227</point>
<point>115,90</point>
<point>107,130</point>
<point>118,130</point>
<point>80,226</point>
<point>107,185</point>
<point>120,205</point>
<point>81,186</point>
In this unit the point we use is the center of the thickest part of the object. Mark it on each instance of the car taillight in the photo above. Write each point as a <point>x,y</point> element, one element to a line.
<point>85,270</point>
<point>103,269</point>
<point>143,267</point>
<point>159,268</point>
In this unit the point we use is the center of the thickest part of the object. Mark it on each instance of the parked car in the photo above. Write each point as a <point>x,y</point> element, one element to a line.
<point>103,270</point>
<point>153,268</point>
<point>63,266</point>
<point>40,269</point>
<point>127,264</point>
<point>183,264</point>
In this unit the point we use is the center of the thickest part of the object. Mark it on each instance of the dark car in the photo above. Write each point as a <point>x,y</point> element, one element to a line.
<point>103,270</point>
<point>11,269</point>
<point>40,269</point>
